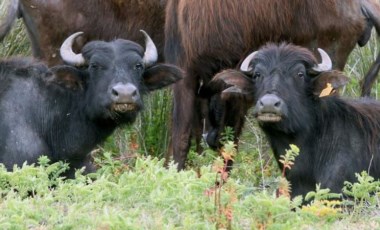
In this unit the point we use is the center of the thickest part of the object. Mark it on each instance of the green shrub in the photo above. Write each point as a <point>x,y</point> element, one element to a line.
<point>132,189</point>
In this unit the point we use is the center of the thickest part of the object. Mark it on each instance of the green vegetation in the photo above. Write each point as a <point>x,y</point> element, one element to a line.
<point>146,195</point>
<point>133,190</point>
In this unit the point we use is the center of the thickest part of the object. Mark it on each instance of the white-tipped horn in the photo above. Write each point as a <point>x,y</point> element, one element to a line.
<point>151,54</point>
<point>245,65</point>
<point>326,63</point>
<point>67,52</point>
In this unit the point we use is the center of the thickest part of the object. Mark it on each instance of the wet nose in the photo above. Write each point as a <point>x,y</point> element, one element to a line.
<point>270,103</point>
<point>124,93</point>
<point>212,139</point>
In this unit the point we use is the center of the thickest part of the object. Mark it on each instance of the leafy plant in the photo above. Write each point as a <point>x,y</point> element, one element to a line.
<point>321,194</point>
<point>227,135</point>
<point>326,209</point>
<point>324,203</point>
<point>30,180</point>
<point>287,161</point>
<point>223,211</point>
<point>365,193</point>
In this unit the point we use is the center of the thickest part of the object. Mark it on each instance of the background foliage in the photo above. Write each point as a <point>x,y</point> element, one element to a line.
<point>132,189</point>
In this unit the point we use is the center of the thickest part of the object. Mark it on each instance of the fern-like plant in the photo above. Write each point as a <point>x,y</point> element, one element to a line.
<point>287,161</point>
<point>365,193</point>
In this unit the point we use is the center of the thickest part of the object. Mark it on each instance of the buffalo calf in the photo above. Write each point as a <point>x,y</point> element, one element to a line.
<point>64,111</point>
<point>231,29</point>
<point>337,137</point>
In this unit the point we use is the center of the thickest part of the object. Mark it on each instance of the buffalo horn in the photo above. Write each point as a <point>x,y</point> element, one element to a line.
<point>67,52</point>
<point>151,54</point>
<point>326,63</point>
<point>245,65</point>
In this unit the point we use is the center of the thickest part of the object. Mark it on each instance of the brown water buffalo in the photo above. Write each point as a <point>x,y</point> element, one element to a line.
<point>204,37</point>
<point>49,22</point>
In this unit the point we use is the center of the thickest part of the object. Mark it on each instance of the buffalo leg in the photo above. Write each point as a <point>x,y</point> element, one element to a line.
<point>76,164</point>
<point>370,78</point>
<point>183,117</point>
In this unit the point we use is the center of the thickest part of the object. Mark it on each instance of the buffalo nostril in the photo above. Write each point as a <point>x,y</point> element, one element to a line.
<point>134,93</point>
<point>114,93</point>
<point>277,104</point>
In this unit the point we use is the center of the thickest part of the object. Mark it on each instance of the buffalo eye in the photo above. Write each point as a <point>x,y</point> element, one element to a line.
<point>256,75</point>
<point>301,75</point>
<point>139,66</point>
<point>94,66</point>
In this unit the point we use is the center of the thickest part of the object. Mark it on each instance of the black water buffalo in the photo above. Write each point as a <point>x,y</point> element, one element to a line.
<point>205,37</point>
<point>64,111</point>
<point>337,137</point>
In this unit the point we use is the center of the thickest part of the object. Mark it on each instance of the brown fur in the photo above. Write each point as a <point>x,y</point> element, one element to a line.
<point>204,37</point>
<point>50,22</point>
<point>233,25</point>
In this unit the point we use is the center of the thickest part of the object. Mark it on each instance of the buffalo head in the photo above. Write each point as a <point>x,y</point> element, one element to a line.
<point>117,74</point>
<point>281,80</point>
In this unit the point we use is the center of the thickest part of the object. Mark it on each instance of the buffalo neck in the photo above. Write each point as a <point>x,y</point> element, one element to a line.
<point>337,126</point>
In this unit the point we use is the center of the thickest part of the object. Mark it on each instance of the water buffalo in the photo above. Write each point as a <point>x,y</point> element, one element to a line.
<point>337,137</point>
<point>64,111</point>
<point>205,37</point>
<point>229,30</point>
<point>49,22</point>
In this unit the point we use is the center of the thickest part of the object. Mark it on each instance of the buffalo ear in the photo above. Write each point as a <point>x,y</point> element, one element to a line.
<point>334,79</point>
<point>230,81</point>
<point>66,76</point>
<point>161,75</point>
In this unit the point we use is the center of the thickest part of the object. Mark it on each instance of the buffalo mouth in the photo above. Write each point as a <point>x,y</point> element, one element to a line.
<point>125,107</point>
<point>269,117</point>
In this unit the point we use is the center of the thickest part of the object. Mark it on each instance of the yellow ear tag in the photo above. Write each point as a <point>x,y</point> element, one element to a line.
<point>327,91</point>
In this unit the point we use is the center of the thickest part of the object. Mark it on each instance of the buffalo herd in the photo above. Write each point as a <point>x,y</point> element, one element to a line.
<point>87,83</point>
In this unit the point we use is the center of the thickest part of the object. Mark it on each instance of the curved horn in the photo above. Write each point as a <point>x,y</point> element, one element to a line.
<point>151,54</point>
<point>326,63</point>
<point>67,52</point>
<point>245,65</point>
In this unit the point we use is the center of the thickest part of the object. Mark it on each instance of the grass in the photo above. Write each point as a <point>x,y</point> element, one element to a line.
<point>16,43</point>
<point>358,64</point>
<point>132,189</point>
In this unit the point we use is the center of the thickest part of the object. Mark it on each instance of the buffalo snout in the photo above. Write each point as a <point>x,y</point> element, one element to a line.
<point>125,97</point>
<point>269,108</point>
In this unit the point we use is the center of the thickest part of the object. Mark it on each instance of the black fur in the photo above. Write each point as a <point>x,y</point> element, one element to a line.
<point>64,111</point>
<point>337,137</point>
